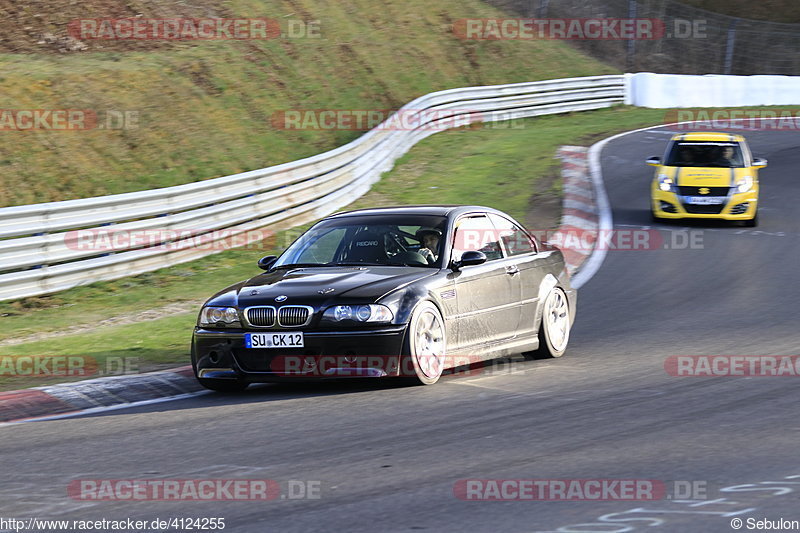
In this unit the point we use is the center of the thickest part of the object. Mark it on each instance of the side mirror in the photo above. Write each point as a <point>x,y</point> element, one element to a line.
<point>469,258</point>
<point>654,161</point>
<point>265,263</point>
<point>760,163</point>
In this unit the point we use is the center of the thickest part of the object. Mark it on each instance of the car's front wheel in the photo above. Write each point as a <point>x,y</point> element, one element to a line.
<point>555,326</point>
<point>425,346</point>
<point>753,222</point>
<point>654,217</point>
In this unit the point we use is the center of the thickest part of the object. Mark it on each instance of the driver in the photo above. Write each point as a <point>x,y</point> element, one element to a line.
<point>726,157</point>
<point>429,243</point>
<point>687,156</point>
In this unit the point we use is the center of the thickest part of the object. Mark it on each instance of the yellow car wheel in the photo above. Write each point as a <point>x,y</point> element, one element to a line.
<point>753,222</point>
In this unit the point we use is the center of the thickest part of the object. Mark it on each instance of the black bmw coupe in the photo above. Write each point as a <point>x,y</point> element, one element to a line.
<point>390,292</point>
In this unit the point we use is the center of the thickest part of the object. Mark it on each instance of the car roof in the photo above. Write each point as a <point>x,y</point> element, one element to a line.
<point>437,210</point>
<point>707,136</point>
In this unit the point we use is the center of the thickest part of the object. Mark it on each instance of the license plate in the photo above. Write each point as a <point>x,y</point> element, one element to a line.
<point>273,340</point>
<point>705,200</point>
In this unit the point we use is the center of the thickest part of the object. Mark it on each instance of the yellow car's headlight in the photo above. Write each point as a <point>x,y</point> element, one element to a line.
<point>744,184</point>
<point>665,183</point>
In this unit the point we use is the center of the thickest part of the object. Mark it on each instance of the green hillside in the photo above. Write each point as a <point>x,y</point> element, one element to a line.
<point>204,107</point>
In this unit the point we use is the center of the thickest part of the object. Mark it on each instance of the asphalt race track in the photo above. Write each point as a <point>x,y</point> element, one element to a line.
<point>387,458</point>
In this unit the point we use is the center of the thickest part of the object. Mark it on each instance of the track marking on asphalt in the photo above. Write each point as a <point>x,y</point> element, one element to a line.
<point>572,396</point>
<point>510,393</point>
<point>730,231</point>
<point>660,518</point>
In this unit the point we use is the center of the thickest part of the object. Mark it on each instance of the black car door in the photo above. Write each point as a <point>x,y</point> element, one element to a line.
<point>487,295</point>
<point>522,255</point>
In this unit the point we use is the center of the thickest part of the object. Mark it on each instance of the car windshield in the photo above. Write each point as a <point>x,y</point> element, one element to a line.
<point>705,154</point>
<point>397,240</point>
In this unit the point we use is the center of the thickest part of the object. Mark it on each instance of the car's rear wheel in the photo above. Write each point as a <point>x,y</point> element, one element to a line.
<point>425,346</point>
<point>555,326</point>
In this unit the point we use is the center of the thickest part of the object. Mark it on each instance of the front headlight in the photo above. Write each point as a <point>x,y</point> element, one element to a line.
<point>744,184</point>
<point>359,313</point>
<point>221,317</point>
<point>665,183</point>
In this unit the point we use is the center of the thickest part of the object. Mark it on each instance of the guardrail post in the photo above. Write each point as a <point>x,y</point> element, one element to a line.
<point>542,11</point>
<point>40,234</point>
<point>631,59</point>
<point>730,47</point>
<point>112,252</point>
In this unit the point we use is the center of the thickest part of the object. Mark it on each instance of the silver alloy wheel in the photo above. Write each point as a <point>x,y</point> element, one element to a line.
<point>555,320</point>
<point>428,341</point>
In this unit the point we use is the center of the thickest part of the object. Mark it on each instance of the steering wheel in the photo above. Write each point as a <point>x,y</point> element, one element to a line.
<point>394,245</point>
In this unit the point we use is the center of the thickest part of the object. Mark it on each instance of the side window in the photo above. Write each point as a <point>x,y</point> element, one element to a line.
<point>476,233</point>
<point>514,239</point>
<point>746,155</point>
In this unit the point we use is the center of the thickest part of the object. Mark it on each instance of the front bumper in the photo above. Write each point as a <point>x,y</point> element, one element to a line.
<point>739,206</point>
<point>221,354</point>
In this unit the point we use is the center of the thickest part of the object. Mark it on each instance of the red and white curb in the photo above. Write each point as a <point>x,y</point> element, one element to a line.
<point>95,394</point>
<point>580,219</point>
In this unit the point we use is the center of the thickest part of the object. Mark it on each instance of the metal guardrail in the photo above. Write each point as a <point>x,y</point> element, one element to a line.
<point>38,252</point>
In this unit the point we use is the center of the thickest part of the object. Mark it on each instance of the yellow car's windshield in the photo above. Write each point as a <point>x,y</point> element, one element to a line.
<point>705,154</point>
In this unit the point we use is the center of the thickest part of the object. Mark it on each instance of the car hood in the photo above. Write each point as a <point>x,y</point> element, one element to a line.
<point>706,176</point>
<point>320,286</point>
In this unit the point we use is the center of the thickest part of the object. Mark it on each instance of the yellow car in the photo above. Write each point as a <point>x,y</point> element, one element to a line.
<point>706,175</point>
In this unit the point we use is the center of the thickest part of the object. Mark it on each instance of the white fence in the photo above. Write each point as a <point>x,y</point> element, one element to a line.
<point>665,91</point>
<point>39,253</point>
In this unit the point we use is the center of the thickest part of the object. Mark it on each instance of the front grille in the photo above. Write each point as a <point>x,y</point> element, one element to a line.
<point>695,191</point>
<point>293,315</point>
<point>261,316</point>
<point>704,209</point>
